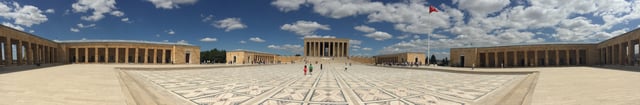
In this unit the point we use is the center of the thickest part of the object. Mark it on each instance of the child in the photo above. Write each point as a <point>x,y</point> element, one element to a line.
<point>305,69</point>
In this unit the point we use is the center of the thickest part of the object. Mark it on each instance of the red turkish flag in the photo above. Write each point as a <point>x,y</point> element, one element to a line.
<point>432,9</point>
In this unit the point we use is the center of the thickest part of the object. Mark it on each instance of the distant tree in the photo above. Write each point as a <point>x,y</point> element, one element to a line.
<point>445,62</point>
<point>297,55</point>
<point>432,60</point>
<point>214,56</point>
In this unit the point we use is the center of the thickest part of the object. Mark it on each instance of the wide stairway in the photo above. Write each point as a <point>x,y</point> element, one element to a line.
<point>328,60</point>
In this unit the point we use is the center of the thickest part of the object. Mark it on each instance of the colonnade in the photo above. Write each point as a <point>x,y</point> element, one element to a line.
<point>120,55</point>
<point>21,52</point>
<point>532,58</point>
<point>622,53</point>
<point>262,59</point>
<point>326,48</point>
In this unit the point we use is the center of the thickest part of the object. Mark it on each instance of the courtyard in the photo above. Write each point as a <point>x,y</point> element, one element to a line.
<point>287,84</point>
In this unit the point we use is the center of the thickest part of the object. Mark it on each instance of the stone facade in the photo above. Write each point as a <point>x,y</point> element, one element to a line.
<point>409,57</point>
<point>250,57</point>
<point>326,47</point>
<point>288,59</point>
<point>31,49</point>
<point>619,50</point>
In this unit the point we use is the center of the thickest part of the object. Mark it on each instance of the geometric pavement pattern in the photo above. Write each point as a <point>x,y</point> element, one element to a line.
<point>364,85</point>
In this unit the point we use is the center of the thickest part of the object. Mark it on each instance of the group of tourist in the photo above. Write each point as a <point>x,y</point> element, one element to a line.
<point>310,68</point>
<point>417,64</point>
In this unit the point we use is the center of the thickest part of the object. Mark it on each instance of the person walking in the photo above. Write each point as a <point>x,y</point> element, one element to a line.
<point>310,69</point>
<point>305,69</point>
<point>321,66</point>
<point>345,67</point>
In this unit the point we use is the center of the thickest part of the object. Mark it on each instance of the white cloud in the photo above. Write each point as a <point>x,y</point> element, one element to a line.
<point>378,35</point>
<point>287,47</point>
<point>99,7</point>
<point>50,11</point>
<point>13,26</point>
<point>125,20</point>
<point>206,18</point>
<point>171,4</point>
<point>287,5</point>
<point>229,24</point>
<point>318,36</point>
<point>243,42</point>
<point>117,13</point>
<point>363,28</point>
<point>208,39</point>
<point>485,23</point>
<point>356,47</point>
<point>403,36</point>
<point>170,32</point>
<point>481,8</point>
<point>74,30</point>
<point>305,28</point>
<point>80,25</point>
<point>367,49</point>
<point>26,15</point>
<point>257,39</point>
<point>355,42</point>
<point>182,42</point>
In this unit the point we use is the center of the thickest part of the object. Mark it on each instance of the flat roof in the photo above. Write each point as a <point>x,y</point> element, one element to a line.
<point>399,53</point>
<point>252,51</point>
<point>120,41</point>
<point>327,38</point>
<point>531,44</point>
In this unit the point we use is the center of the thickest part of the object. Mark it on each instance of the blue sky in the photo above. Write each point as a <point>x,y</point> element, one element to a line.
<point>278,26</point>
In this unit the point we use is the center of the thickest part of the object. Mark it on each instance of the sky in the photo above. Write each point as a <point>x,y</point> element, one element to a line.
<point>373,26</point>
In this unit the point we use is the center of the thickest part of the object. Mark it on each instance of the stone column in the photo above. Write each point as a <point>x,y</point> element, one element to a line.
<point>146,55</point>
<point>504,59</point>
<point>515,58</point>
<point>346,53</point>
<point>86,55</point>
<point>337,48</point>
<point>567,58</point>
<point>29,53</point>
<point>486,59</point>
<point>117,55</point>
<point>126,55</point>
<point>155,56</point>
<point>495,59</point>
<point>315,48</point>
<point>44,54</point>
<point>526,58</point>
<point>19,53</point>
<point>333,48</point>
<point>304,46</point>
<point>620,54</point>
<point>8,52</point>
<point>95,55</point>
<point>557,57</point>
<point>106,54</point>
<point>135,58</point>
<point>546,57</point>
<point>535,58</point>
<point>164,56</point>
<point>77,58</point>
<point>629,52</point>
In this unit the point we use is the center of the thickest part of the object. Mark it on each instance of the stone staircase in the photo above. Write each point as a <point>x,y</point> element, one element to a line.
<point>328,60</point>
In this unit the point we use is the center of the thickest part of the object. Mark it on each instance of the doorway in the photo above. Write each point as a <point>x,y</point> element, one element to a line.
<point>461,60</point>
<point>188,55</point>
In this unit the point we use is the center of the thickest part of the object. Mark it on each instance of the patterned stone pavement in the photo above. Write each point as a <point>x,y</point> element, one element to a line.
<point>286,85</point>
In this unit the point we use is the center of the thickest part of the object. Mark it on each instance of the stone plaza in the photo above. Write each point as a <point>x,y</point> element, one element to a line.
<point>286,84</point>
